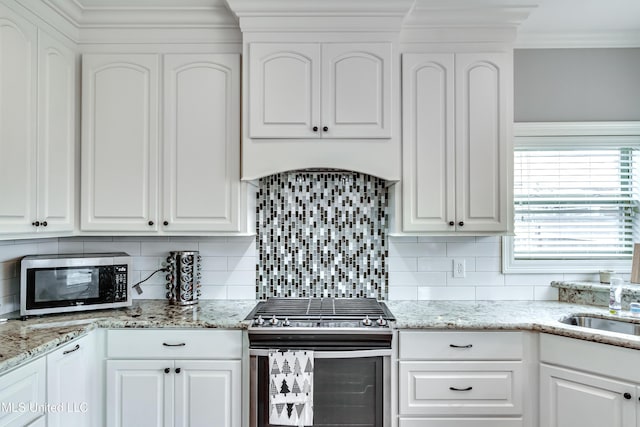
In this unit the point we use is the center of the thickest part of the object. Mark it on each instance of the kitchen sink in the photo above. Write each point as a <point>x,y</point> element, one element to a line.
<point>621,326</point>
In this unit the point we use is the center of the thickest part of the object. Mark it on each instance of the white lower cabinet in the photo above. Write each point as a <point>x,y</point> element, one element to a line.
<point>189,391</point>
<point>22,395</point>
<point>571,398</point>
<point>463,379</point>
<point>586,384</point>
<point>73,387</point>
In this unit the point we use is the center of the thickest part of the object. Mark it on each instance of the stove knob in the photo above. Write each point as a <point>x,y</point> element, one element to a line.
<point>381,321</point>
<point>274,320</point>
<point>286,322</point>
<point>366,321</point>
<point>259,321</point>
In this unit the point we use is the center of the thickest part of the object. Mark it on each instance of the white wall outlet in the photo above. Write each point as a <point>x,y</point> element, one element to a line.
<point>459,268</point>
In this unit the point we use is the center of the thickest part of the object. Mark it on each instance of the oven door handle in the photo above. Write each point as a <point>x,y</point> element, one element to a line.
<point>321,354</point>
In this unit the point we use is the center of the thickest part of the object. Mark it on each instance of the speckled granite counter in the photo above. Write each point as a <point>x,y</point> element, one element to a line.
<point>539,316</point>
<point>21,341</point>
<point>24,340</point>
<point>594,293</point>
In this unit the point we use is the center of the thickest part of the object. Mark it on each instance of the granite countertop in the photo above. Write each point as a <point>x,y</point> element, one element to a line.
<point>539,316</point>
<point>21,341</point>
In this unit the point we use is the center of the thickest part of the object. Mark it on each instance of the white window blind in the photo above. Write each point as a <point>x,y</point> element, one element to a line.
<point>573,203</point>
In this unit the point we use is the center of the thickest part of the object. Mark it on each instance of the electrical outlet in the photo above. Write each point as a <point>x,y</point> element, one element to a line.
<point>459,268</point>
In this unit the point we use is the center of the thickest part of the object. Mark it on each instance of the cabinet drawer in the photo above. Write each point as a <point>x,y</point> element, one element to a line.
<point>461,388</point>
<point>174,344</point>
<point>439,345</point>
<point>461,422</point>
<point>603,359</point>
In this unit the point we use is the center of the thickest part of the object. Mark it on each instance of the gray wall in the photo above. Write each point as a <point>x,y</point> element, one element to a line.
<point>577,85</point>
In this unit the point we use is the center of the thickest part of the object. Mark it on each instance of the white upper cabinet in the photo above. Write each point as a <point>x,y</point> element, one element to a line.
<point>119,142</point>
<point>56,135</point>
<point>284,85</point>
<point>484,118</point>
<point>18,79</point>
<point>320,90</point>
<point>456,151</point>
<point>37,129</point>
<point>201,142</point>
<point>428,149</point>
<point>189,182</point>
<point>356,90</point>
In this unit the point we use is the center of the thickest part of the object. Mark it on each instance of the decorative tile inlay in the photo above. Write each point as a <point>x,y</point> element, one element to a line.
<point>321,234</point>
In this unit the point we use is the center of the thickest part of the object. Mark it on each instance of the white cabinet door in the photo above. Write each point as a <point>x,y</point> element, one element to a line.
<point>207,393</point>
<point>71,384</point>
<point>18,39</point>
<point>119,142</point>
<point>139,393</point>
<point>356,90</point>
<point>483,145</point>
<point>22,394</point>
<point>574,399</point>
<point>428,142</point>
<point>284,90</point>
<point>201,143</point>
<point>56,135</point>
<point>457,149</point>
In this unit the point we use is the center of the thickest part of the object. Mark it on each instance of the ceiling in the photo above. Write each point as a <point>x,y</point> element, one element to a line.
<point>553,23</point>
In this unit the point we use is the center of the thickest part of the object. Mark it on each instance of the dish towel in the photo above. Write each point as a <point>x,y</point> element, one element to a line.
<point>291,387</point>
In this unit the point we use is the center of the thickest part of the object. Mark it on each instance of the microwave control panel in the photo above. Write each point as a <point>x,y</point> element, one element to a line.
<point>120,283</point>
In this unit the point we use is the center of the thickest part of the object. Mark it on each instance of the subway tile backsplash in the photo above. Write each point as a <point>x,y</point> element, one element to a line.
<point>321,234</point>
<point>419,268</point>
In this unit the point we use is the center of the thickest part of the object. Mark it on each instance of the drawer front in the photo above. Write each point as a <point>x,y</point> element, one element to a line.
<point>440,345</point>
<point>461,422</point>
<point>174,344</point>
<point>461,388</point>
<point>595,357</point>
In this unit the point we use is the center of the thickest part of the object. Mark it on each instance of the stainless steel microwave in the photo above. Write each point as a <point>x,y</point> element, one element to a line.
<point>74,282</point>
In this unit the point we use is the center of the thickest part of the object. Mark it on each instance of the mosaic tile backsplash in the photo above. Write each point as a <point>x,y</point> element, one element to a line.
<point>322,234</point>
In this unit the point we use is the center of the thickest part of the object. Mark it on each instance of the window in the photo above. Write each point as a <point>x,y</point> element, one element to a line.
<point>576,197</point>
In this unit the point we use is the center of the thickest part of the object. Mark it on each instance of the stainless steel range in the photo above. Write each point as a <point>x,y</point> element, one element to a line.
<point>351,339</point>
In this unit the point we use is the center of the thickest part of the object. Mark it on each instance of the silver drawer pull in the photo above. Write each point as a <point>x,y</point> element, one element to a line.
<point>77,347</point>
<point>461,389</point>
<point>460,346</point>
<point>182,344</point>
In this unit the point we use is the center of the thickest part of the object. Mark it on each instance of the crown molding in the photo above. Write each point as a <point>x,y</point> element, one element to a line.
<point>398,8</point>
<point>88,21</point>
<point>48,16</point>
<point>70,10</point>
<point>609,39</point>
<point>464,21</point>
<point>324,15</point>
<point>145,14</point>
<point>452,36</point>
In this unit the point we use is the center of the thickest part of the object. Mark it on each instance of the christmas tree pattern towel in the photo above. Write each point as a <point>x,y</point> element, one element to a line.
<point>291,388</point>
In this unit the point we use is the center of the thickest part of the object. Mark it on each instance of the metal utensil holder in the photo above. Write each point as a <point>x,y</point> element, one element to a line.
<point>183,277</point>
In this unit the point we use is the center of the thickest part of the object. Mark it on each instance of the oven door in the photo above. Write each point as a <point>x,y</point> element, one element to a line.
<point>350,388</point>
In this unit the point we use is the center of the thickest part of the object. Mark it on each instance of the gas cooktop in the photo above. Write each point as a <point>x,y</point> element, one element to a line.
<point>320,313</point>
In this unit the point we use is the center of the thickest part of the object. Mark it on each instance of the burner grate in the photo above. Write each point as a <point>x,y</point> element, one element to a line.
<point>321,308</point>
